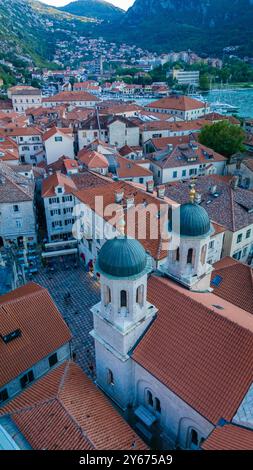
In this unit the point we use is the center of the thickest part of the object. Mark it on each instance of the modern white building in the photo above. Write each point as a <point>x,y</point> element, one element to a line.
<point>189,77</point>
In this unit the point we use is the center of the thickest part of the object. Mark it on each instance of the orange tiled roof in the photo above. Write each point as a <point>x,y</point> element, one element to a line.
<point>71,96</point>
<point>64,410</point>
<point>129,169</point>
<point>92,159</point>
<point>57,179</point>
<point>163,142</point>
<point>141,198</point>
<point>20,131</point>
<point>178,126</point>
<point>181,156</point>
<point>56,130</point>
<point>201,355</point>
<point>229,437</point>
<point>234,275</point>
<point>183,103</point>
<point>43,330</point>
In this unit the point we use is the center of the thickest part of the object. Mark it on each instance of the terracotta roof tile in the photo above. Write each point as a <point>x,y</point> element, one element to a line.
<point>21,131</point>
<point>30,309</point>
<point>14,187</point>
<point>183,103</point>
<point>180,126</point>
<point>234,275</point>
<point>180,154</point>
<point>130,169</point>
<point>56,130</point>
<point>68,96</point>
<point>58,179</point>
<point>229,437</point>
<point>201,355</point>
<point>163,142</point>
<point>141,199</point>
<point>65,410</point>
<point>92,159</point>
<point>233,207</point>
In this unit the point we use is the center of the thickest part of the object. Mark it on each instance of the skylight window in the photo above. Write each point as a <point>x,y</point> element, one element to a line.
<point>216,281</point>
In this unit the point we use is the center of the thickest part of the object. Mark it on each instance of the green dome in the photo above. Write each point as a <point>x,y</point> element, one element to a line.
<point>122,257</point>
<point>194,220</point>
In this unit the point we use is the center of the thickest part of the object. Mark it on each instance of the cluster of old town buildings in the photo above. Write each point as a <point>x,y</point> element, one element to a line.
<point>173,327</point>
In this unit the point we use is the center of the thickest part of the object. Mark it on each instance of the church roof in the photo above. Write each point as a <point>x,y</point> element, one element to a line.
<point>227,280</point>
<point>64,410</point>
<point>122,257</point>
<point>229,437</point>
<point>200,347</point>
<point>194,220</point>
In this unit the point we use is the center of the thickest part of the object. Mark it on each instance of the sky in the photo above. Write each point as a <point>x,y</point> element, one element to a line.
<point>125,4</point>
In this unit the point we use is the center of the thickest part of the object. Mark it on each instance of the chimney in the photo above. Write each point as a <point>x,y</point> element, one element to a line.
<point>161,191</point>
<point>198,198</point>
<point>119,196</point>
<point>130,201</point>
<point>235,182</point>
<point>150,186</point>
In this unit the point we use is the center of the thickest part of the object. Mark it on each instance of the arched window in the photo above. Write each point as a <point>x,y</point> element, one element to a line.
<point>157,405</point>
<point>110,378</point>
<point>203,254</point>
<point>140,295</point>
<point>123,298</point>
<point>150,400</point>
<point>108,296</point>
<point>194,437</point>
<point>190,256</point>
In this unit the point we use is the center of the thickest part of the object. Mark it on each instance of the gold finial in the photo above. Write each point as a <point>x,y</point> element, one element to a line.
<point>192,193</point>
<point>121,226</point>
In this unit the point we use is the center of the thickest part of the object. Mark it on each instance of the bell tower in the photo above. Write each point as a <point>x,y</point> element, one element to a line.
<point>122,315</point>
<point>187,263</point>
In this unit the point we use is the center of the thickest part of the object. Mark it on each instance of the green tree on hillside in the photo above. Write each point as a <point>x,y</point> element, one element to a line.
<point>223,137</point>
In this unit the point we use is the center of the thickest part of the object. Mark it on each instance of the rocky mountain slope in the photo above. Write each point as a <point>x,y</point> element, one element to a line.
<point>30,29</point>
<point>208,25</point>
<point>95,9</point>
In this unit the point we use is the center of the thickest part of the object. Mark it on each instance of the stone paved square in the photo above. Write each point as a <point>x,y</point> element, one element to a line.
<point>85,292</point>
